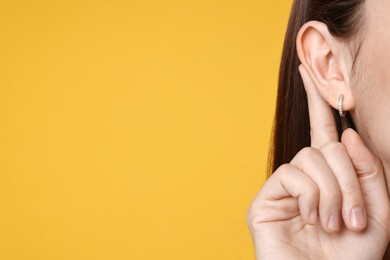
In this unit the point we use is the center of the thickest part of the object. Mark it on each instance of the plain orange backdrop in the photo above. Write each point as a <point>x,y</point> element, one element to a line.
<point>134,129</point>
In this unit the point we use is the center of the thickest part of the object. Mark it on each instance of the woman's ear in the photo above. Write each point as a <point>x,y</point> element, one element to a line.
<point>327,61</point>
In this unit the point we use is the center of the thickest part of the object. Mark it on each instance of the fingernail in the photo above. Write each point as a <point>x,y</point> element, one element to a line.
<point>334,221</point>
<point>358,217</point>
<point>313,216</point>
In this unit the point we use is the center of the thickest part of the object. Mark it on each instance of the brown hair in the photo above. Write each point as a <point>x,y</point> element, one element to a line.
<point>291,129</point>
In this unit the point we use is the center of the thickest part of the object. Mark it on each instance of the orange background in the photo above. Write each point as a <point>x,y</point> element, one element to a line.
<point>134,129</point>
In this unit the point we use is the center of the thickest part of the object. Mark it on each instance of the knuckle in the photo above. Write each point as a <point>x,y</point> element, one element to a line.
<point>248,215</point>
<point>251,214</point>
<point>281,171</point>
<point>336,148</point>
<point>286,167</point>
<point>378,167</point>
<point>371,170</point>
<point>310,153</point>
<point>350,191</point>
<point>312,193</point>
<point>256,214</point>
<point>333,195</point>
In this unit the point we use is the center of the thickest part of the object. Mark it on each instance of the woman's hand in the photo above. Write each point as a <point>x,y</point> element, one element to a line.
<point>329,202</point>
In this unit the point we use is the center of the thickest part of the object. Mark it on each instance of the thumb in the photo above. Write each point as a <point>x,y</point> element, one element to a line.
<point>369,171</point>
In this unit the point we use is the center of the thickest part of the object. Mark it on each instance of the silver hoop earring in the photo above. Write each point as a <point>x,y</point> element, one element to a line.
<point>342,114</point>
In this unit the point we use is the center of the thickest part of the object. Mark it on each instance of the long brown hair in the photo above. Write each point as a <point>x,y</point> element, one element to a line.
<point>291,129</point>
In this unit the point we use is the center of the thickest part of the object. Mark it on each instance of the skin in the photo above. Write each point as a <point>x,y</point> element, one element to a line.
<point>332,200</point>
<point>373,95</point>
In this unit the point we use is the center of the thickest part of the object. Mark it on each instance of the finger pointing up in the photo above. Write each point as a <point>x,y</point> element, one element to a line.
<point>322,125</point>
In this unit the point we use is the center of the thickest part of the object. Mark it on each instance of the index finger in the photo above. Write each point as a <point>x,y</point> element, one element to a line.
<point>322,124</point>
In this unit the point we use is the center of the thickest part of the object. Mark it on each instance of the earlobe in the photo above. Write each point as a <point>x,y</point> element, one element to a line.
<point>321,54</point>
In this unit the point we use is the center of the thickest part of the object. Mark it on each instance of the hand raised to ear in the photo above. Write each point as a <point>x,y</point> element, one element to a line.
<point>329,202</point>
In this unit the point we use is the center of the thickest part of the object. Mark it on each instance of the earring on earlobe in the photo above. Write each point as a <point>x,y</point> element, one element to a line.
<point>341,106</point>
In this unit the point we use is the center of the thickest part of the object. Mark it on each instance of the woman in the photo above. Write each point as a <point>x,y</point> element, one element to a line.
<point>327,196</point>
